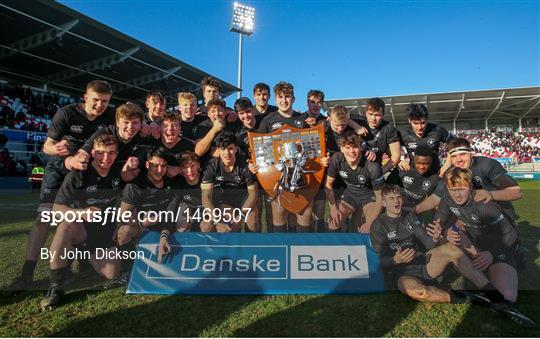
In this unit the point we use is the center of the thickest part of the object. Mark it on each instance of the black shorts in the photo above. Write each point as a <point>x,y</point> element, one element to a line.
<point>98,235</point>
<point>53,177</point>
<point>233,198</point>
<point>513,256</point>
<point>417,269</point>
<point>357,201</point>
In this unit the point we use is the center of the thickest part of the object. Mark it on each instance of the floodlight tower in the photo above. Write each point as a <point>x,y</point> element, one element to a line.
<point>243,22</point>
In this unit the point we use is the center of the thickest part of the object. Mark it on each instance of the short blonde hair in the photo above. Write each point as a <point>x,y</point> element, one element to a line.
<point>458,177</point>
<point>339,113</point>
<point>186,96</point>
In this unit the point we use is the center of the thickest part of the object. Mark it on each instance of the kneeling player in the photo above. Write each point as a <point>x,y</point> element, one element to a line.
<point>363,180</point>
<point>230,176</point>
<point>92,190</point>
<point>496,247</point>
<point>150,199</point>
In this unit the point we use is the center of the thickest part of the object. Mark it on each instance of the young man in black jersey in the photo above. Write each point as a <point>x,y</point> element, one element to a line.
<point>363,181</point>
<point>284,93</point>
<point>489,178</point>
<point>315,102</point>
<point>189,198</point>
<point>207,131</point>
<point>229,177</point>
<point>420,181</point>
<point>156,103</point>
<point>420,132</point>
<point>495,248</point>
<point>90,192</point>
<point>150,194</point>
<point>382,137</point>
<point>211,90</point>
<point>285,115</point>
<point>71,126</point>
<point>127,131</point>
<point>412,255</point>
<point>261,94</point>
<point>187,106</point>
<point>172,141</point>
<point>250,123</point>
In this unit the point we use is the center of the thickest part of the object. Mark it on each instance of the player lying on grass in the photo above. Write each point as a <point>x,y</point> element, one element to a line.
<point>414,257</point>
<point>363,181</point>
<point>228,182</point>
<point>95,189</point>
<point>495,248</point>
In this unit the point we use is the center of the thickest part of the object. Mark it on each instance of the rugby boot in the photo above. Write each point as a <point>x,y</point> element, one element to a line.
<point>511,312</point>
<point>52,298</point>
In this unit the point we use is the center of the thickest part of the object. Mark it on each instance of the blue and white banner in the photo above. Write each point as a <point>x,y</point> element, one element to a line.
<point>24,136</point>
<point>255,263</point>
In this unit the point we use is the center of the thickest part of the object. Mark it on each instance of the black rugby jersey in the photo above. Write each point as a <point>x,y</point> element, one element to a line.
<point>488,228</point>
<point>360,181</point>
<point>175,152</point>
<point>275,120</point>
<point>190,195</point>
<point>82,189</point>
<point>145,196</point>
<point>137,146</point>
<point>332,138</point>
<point>380,137</point>
<point>433,136</point>
<point>235,181</point>
<point>242,136</point>
<point>70,123</point>
<point>187,128</point>
<point>415,186</point>
<point>269,109</point>
<point>407,231</point>
<point>490,175</point>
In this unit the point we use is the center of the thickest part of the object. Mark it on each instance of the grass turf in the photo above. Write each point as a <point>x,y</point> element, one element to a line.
<point>89,312</point>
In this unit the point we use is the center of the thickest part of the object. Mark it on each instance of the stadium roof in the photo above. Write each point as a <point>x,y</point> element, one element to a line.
<point>45,42</point>
<point>484,105</point>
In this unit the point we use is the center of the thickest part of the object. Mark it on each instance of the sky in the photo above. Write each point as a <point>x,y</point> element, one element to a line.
<point>348,49</point>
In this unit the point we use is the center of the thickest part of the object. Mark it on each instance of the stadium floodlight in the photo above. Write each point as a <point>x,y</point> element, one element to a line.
<point>243,23</point>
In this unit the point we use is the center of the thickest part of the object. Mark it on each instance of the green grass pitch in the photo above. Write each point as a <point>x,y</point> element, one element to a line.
<point>87,311</point>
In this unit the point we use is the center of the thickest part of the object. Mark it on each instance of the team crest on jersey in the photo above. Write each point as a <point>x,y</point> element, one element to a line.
<point>344,174</point>
<point>391,235</point>
<point>92,188</point>
<point>426,185</point>
<point>376,136</point>
<point>431,142</point>
<point>477,181</point>
<point>501,256</point>
<point>408,180</point>
<point>412,145</point>
<point>237,179</point>
<point>298,123</point>
<point>187,197</point>
<point>408,226</point>
<point>276,125</point>
<point>455,210</point>
<point>361,179</point>
<point>115,184</point>
<point>219,178</point>
<point>76,128</point>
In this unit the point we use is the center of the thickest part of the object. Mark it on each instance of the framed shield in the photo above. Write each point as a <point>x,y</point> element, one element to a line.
<point>287,141</point>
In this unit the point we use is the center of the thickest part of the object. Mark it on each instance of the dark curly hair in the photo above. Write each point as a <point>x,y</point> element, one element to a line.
<point>417,111</point>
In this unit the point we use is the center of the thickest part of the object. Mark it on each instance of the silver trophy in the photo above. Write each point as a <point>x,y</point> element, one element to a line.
<point>292,159</point>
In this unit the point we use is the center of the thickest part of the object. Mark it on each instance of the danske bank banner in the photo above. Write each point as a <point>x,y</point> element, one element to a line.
<point>251,263</point>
